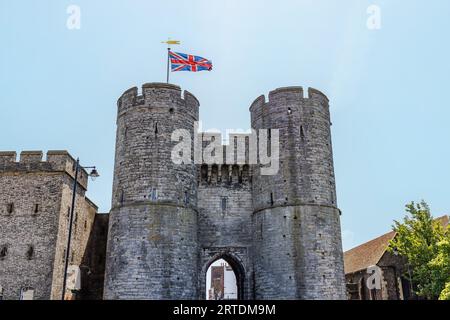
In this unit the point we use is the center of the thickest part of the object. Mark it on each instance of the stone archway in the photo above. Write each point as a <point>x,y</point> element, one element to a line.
<point>238,269</point>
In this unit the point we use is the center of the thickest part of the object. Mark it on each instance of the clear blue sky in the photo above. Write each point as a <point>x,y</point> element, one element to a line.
<point>388,88</point>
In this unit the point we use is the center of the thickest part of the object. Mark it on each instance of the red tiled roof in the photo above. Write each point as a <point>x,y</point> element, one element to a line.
<point>369,253</point>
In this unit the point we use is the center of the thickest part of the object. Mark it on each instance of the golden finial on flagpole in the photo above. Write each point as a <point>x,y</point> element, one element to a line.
<point>169,42</point>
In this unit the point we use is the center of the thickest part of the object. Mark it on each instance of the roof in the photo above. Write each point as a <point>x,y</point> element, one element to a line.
<point>367,254</point>
<point>370,253</point>
<point>443,220</point>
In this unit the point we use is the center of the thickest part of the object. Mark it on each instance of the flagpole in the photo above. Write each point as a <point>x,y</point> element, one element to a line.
<point>169,42</point>
<point>168,62</point>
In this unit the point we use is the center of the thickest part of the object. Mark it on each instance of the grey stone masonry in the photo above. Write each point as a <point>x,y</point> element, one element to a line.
<point>297,238</point>
<point>169,222</point>
<point>152,240</point>
<point>35,198</point>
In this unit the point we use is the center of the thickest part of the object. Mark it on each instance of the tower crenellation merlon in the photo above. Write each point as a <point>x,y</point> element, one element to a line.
<point>293,92</point>
<point>32,162</point>
<point>159,95</point>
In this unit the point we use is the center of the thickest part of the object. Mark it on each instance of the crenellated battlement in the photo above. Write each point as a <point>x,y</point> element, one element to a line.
<point>236,151</point>
<point>224,175</point>
<point>32,162</point>
<point>316,94</point>
<point>7,157</point>
<point>265,198</point>
<point>286,92</point>
<point>294,92</point>
<point>160,94</point>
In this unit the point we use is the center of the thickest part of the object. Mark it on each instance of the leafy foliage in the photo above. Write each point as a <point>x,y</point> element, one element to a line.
<point>426,246</point>
<point>445,294</point>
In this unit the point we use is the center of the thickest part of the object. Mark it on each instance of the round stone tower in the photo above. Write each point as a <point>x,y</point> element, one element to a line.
<point>297,239</point>
<point>152,241</point>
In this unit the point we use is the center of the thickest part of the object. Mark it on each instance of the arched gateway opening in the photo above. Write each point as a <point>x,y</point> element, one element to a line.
<point>224,279</point>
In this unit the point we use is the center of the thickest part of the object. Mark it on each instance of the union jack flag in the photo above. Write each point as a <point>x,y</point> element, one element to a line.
<point>188,62</point>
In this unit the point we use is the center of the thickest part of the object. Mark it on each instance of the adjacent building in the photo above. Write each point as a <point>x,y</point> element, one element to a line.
<point>394,270</point>
<point>35,202</point>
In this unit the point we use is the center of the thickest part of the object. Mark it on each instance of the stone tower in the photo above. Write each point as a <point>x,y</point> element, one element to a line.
<point>35,203</point>
<point>152,242</point>
<point>168,223</point>
<point>297,242</point>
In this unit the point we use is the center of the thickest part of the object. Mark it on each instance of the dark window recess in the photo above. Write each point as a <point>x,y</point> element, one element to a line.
<point>373,294</point>
<point>30,252</point>
<point>10,207</point>
<point>156,129</point>
<point>36,208</point>
<point>204,173</point>
<point>171,110</point>
<point>224,204</point>
<point>186,198</point>
<point>68,211</point>
<point>302,133</point>
<point>75,221</point>
<point>85,224</point>
<point>122,197</point>
<point>3,252</point>
<point>271,199</point>
<point>289,111</point>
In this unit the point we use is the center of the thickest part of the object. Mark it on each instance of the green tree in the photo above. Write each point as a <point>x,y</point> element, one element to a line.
<point>426,246</point>
<point>445,294</point>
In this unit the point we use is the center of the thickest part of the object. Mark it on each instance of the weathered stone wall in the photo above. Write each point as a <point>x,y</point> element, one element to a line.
<point>93,271</point>
<point>395,275</point>
<point>298,252</point>
<point>39,192</point>
<point>280,233</point>
<point>306,172</point>
<point>152,251</point>
<point>83,220</point>
<point>225,211</point>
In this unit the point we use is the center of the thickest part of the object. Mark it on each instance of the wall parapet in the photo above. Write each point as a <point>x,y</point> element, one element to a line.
<point>296,91</point>
<point>32,161</point>
<point>154,91</point>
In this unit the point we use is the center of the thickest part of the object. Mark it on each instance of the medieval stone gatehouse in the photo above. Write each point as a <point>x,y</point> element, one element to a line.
<point>280,233</point>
